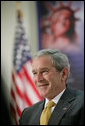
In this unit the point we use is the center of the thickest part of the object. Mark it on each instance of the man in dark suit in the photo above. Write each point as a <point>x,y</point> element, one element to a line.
<point>51,69</point>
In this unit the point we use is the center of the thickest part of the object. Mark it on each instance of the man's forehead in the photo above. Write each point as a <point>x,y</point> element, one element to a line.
<point>40,68</point>
<point>44,60</point>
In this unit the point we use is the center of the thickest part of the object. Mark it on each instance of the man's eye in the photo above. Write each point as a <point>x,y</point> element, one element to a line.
<point>45,71</point>
<point>34,73</point>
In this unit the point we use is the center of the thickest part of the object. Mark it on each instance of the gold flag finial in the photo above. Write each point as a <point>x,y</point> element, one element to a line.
<point>20,14</point>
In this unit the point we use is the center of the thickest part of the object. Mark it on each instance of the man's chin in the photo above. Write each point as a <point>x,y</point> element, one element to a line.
<point>43,93</point>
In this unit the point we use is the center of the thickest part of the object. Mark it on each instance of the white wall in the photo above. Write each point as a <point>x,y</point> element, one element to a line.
<point>8,28</point>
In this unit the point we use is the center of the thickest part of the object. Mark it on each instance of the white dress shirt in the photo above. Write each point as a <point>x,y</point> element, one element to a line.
<point>55,100</point>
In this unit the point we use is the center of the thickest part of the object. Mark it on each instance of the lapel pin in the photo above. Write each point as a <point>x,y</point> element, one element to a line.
<point>64,108</point>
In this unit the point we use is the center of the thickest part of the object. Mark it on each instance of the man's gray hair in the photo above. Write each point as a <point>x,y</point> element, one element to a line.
<point>59,59</point>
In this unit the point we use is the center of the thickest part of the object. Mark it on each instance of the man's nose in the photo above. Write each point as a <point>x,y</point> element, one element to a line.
<point>39,77</point>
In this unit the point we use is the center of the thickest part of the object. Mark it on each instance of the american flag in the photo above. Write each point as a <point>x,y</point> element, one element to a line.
<point>23,91</point>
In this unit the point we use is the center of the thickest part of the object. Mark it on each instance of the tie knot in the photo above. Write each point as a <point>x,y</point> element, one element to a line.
<point>50,104</point>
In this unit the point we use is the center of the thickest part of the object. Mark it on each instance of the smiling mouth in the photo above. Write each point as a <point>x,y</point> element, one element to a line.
<point>43,85</point>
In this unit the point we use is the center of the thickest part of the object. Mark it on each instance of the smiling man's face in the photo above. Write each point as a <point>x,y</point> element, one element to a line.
<point>47,79</point>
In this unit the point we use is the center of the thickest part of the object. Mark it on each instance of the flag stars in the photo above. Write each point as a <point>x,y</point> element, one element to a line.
<point>21,50</point>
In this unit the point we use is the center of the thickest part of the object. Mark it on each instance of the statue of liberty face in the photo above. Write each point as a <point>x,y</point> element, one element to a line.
<point>61,22</point>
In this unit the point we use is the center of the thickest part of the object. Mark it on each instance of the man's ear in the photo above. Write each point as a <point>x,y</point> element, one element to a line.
<point>64,73</point>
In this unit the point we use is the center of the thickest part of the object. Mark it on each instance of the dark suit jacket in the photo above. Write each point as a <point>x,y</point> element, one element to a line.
<point>68,111</point>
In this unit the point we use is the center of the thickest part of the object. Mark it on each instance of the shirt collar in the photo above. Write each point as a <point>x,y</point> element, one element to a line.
<point>55,99</point>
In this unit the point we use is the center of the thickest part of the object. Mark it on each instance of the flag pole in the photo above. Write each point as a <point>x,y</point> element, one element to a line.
<point>18,5</point>
<point>20,14</point>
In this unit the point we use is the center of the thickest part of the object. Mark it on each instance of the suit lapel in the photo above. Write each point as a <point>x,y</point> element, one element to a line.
<point>61,108</point>
<point>36,118</point>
